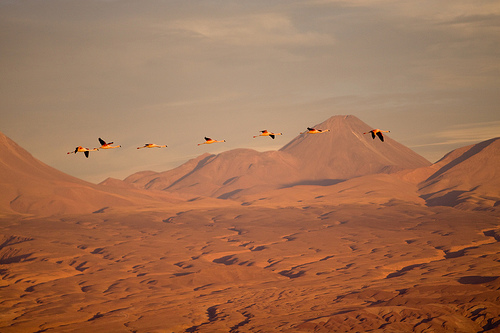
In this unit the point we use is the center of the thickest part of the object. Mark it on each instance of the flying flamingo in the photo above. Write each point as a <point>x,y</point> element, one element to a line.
<point>152,145</point>
<point>209,141</point>
<point>266,133</point>
<point>378,133</point>
<point>83,150</point>
<point>315,131</point>
<point>107,145</point>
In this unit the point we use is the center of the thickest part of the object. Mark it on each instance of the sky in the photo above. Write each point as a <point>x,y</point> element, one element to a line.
<point>173,72</point>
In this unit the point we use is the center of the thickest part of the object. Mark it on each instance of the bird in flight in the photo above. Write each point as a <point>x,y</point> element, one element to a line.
<point>152,145</point>
<point>267,133</point>
<point>83,150</point>
<point>378,133</point>
<point>209,141</point>
<point>107,145</point>
<point>315,131</point>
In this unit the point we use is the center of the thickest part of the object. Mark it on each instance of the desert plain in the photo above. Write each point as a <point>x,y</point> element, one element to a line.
<point>387,247</point>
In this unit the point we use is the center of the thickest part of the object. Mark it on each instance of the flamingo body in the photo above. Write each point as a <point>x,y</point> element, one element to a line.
<point>311,130</point>
<point>377,132</point>
<point>152,145</point>
<point>107,145</point>
<point>209,141</point>
<point>85,151</point>
<point>267,133</point>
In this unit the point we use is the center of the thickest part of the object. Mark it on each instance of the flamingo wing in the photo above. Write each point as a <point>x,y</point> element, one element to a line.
<point>373,134</point>
<point>271,135</point>
<point>102,142</point>
<point>86,153</point>
<point>208,139</point>
<point>380,136</point>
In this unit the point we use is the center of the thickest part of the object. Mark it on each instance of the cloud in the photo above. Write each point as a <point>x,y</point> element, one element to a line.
<point>429,10</point>
<point>263,29</point>
<point>465,134</point>
<point>490,20</point>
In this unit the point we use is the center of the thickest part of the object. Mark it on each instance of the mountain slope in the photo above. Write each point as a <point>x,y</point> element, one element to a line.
<point>345,152</point>
<point>468,177</point>
<point>309,159</point>
<point>223,175</point>
<point>240,169</point>
<point>32,187</point>
<point>152,180</point>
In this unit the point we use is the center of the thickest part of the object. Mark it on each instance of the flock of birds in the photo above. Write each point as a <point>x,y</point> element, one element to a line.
<point>310,130</point>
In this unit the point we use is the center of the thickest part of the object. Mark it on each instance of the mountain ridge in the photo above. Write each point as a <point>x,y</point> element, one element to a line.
<point>355,154</point>
<point>466,178</point>
<point>342,153</point>
<point>30,186</point>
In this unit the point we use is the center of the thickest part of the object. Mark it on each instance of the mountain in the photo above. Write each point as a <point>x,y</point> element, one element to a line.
<point>314,159</point>
<point>32,187</point>
<point>345,152</point>
<point>468,177</point>
<point>152,180</point>
<point>223,175</point>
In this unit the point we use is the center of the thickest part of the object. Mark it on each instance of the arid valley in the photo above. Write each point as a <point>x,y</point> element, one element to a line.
<point>335,232</point>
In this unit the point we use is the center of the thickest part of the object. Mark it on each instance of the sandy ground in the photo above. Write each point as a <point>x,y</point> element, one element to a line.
<point>372,267</point>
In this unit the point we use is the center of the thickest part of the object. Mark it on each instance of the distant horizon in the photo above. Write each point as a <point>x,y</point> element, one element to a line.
<point>81,156</point>
<point>172,73</point>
